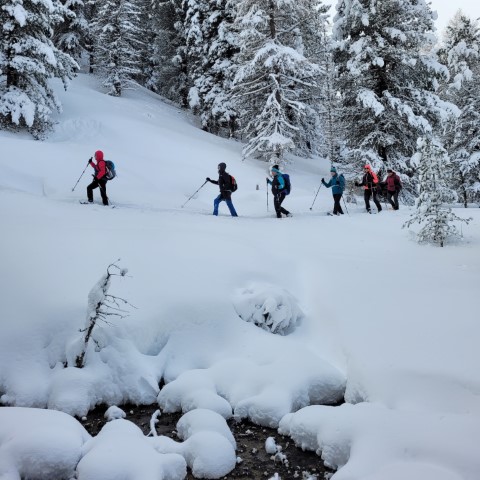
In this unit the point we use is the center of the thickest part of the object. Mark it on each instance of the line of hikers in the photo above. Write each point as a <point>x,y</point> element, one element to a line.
<point>280,186</point>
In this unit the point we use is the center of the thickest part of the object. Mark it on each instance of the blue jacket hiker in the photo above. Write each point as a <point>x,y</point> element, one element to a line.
<point>280,189</point>
<point>337,182</point>
<point>225,182</point>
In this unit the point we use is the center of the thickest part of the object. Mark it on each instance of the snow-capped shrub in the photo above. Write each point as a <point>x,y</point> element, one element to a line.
<point>271,308</point>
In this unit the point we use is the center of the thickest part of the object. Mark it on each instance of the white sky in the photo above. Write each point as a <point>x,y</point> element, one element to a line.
<point>445,8</point>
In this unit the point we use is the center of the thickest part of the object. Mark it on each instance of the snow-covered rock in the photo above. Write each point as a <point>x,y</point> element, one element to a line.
<point>269,307</point>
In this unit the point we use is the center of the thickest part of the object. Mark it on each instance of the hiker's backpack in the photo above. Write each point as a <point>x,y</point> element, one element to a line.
<point>288,185</point>
<point>375,177</point>
<point>110,170</point>
<point>233,183</point>
<point>341,182</point>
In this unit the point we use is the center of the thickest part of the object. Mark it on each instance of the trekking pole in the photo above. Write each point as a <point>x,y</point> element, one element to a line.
<point>267,194</point>
<point>81,174</point>
<point>316,196</point>
<point>206,181</point>
<point>345,203</point>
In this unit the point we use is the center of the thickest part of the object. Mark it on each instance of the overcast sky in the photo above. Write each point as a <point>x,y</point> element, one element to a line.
<point>445,8</point>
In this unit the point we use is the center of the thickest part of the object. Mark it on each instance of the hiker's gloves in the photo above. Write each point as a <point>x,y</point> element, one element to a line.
<point>208,179</point>
<point>323,180</point>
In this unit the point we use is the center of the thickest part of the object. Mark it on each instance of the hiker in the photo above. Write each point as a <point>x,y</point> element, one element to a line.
<point>394,185</point>
<point>279,191</point>
<point>225,183</point>
<point>337,182</point>
<point>369,183</point>
<point>99,178</point>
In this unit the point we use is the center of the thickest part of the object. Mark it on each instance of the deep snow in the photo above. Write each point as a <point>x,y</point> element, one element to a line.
<point>393,322</point>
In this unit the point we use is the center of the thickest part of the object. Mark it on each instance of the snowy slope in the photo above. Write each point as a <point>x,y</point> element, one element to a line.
<point>389,320</point>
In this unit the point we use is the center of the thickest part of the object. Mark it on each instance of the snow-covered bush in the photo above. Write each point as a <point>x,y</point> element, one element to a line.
<point>271,308</point>
<point>101,305</point>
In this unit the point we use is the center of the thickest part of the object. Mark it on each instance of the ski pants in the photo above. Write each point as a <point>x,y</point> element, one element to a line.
<point>228,200</point>
<point>368,193</point>
<point>277,203</point>
<point>337,208</point>
<point>102,184</point>
<point>394,202</point>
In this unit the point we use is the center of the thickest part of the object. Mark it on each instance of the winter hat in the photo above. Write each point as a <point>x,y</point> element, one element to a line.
<point>98,155</point>
<point>333,169</point>
<point>389,170</point>
<point>222,166</point>
<point>275,168</point>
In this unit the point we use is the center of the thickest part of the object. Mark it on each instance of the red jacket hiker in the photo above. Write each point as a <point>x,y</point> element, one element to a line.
<point>99,167</point>
<point>99,179</point>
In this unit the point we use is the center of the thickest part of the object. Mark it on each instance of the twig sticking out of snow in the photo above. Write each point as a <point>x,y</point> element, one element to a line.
<point>153,421</point>
<point>102,305</point>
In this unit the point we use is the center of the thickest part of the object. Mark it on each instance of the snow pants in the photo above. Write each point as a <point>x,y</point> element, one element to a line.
<point>102,184</point>
<point>367,195</point>
<point>394,202</point>
<point>337,208</point>
<point>277,203</point>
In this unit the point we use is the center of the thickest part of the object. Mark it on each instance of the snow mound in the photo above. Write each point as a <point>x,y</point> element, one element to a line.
<point>269,307</point>
<point>114,413</point>
<point>262,393</point>
<point>191,390</point>
<point>121,450</point>
<point>39,444</point>
<point>204,420</point>
<point>369,441</point>
<point>208,454</point>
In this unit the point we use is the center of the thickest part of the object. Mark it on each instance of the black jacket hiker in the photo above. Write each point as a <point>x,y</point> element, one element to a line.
<point>225,184</point>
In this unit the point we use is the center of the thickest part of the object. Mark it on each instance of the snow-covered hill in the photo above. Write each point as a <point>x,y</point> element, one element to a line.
<point>393,323</point>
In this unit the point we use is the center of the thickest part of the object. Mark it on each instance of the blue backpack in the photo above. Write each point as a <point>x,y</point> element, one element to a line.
<point>288,185</point>
<point>110,170</point>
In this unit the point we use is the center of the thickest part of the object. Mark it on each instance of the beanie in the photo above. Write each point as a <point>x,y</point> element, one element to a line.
<point>333,169</point>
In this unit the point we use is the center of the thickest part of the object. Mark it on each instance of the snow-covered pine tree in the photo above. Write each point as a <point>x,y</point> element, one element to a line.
<point>326,121</point>
<point>462,56</point>
<point>28,60</point>
<point>166,73</point>
<point>388,79</point>
<point>273,75</point>
<point>211,53</point>
<point>117,45</point>
<point>432,210</point>
<point>312,40</point>
<point>71,36</point>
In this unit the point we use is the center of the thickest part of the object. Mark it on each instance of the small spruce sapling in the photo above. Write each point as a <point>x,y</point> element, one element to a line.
<point>101,306</point>
<point>432,209</point>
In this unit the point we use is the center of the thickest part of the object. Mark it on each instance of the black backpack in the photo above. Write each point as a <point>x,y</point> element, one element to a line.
<point>288,185</point>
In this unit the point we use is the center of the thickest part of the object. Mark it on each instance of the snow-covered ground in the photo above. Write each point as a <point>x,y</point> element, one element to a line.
<point>390,324</point>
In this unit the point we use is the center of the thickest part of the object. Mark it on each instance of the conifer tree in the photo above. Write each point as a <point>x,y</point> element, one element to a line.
<point>273,75</point>
<point>432,210</point>
<point>166,72</point>
<point>211,55</point>
<point>462,56</point>
<point>388,79</point>
<point>28,60</point>
<point>71,36</point>
<point>117,45</point>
